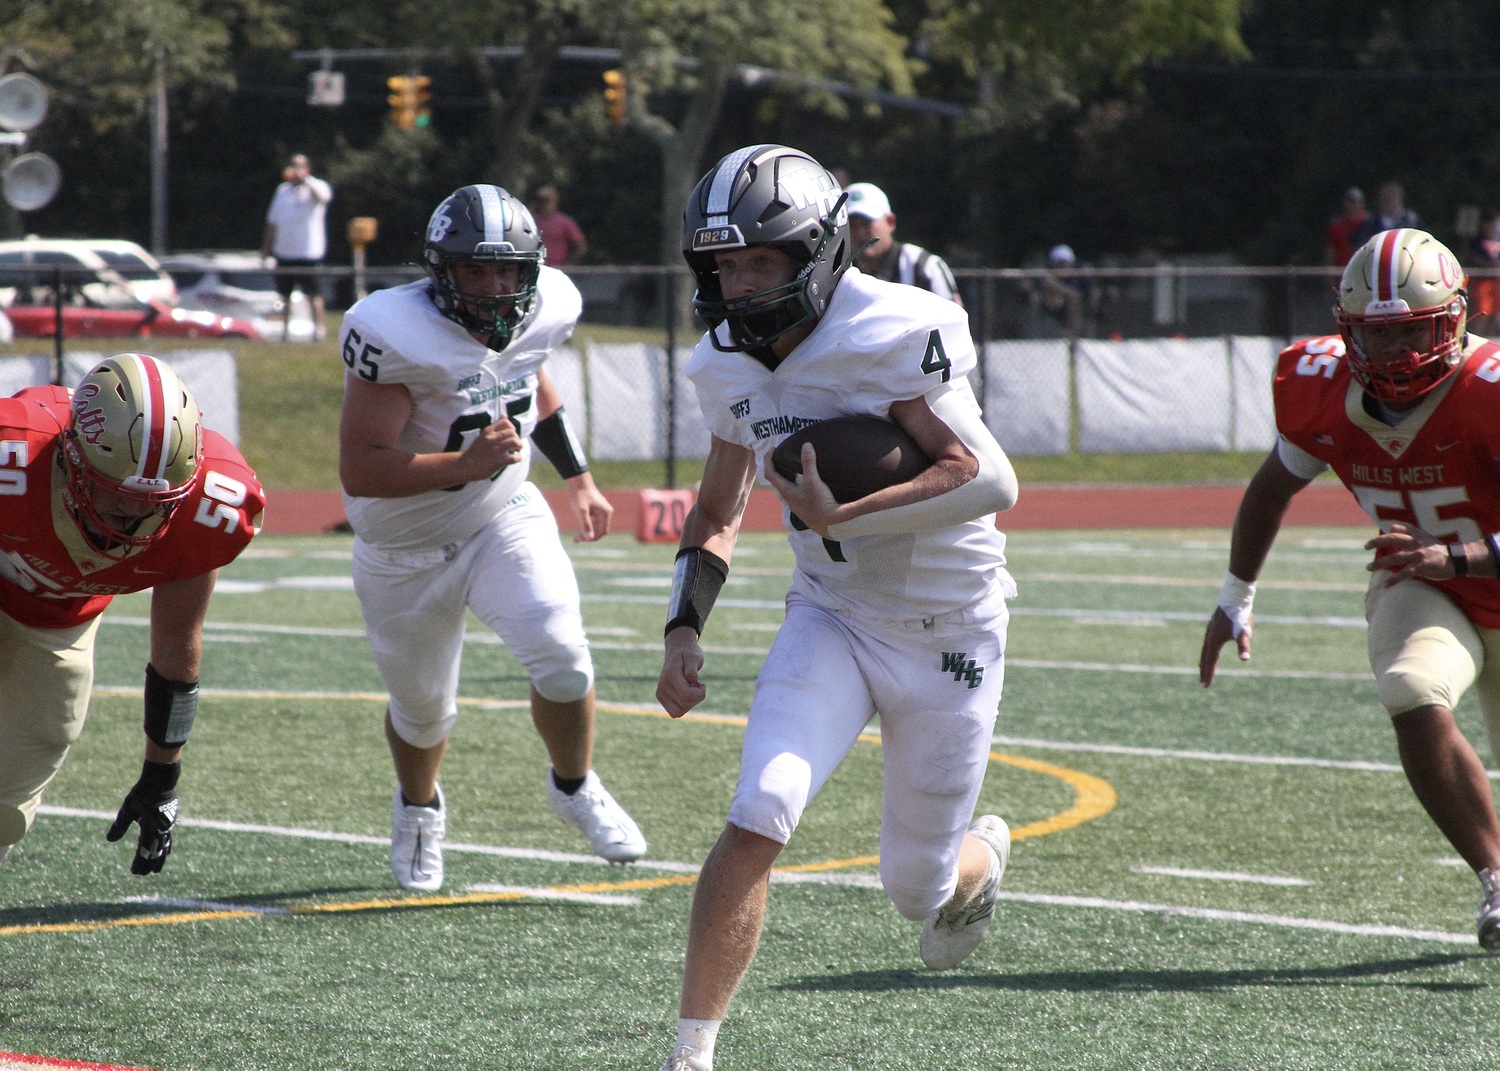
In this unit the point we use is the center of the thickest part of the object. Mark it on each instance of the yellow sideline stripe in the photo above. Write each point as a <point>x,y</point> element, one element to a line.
<point>1093,798</point>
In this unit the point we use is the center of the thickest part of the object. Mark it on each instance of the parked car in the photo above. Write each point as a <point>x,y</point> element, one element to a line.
<point>107,309</point>
<point>141,271</point>
<point>237,283</point>
<point>34,262</point>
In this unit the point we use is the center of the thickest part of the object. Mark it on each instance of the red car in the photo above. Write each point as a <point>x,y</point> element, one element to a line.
<point>100,310</point>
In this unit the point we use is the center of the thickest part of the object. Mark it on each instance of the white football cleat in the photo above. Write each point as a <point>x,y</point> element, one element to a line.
<point>417,844</point>
<point>682,1059</point>
<point>950,934</point>
<point>1489,911</point>
<point>611,833</point>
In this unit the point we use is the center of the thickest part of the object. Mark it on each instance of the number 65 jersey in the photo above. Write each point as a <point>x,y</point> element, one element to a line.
<point>1439,469</point>
<point>50,576</point>
<point>458,387</point>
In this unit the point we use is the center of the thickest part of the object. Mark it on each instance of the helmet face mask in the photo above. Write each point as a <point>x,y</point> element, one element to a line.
<point>131,450</point>
<point>774,196</point>
<point>1402,313</point>
<point>484,224</point>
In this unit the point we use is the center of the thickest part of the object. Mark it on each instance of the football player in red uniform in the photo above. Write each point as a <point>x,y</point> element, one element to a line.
<point>1401,404</point>
<point>110,488</point>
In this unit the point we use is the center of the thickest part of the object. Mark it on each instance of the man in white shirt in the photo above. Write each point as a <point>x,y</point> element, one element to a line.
<point>296,235</point>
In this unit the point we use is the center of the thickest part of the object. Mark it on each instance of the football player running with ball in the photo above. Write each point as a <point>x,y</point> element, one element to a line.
<point>445,394</point>
<point>107,489</point>
<point>1402,405</point>
<point>898,599</point>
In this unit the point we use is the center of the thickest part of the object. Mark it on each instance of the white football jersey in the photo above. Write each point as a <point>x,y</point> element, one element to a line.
<point>458,386</point>
<point>878,343</point>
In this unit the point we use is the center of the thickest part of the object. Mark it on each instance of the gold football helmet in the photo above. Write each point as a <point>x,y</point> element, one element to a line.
<point>1405,282</point>
<point>136,434</point>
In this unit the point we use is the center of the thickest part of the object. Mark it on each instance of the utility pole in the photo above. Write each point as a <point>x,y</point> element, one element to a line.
<point>159,156</point>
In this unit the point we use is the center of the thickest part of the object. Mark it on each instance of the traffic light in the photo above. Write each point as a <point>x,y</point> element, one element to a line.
<point>408,100</point>
<point>614,96</point>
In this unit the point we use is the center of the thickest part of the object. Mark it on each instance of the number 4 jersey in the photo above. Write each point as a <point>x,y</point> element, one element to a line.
<point>50,576</point>
<point>878,343</point>
<point>1438,469</point>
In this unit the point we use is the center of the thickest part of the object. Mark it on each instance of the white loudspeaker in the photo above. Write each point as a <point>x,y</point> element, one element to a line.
<point>30,181</point>
<point>23,102</point>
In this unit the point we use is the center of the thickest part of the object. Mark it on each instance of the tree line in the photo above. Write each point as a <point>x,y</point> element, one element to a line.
<point>1167,129</point>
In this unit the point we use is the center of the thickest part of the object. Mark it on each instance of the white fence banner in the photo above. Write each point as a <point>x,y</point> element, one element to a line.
<point>209,374</point>
<point>1026,395</point>
<point>1153,395</point>
<point>1253,361</point>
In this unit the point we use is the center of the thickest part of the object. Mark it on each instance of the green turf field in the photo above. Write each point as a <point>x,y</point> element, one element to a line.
<point>1238,878</point>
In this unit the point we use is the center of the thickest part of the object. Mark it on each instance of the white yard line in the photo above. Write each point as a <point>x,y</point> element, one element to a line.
<point>859,880</point>
<point>1218,875</point>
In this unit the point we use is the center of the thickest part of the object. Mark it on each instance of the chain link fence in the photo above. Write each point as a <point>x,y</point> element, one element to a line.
<point>1164,357</point>
<point>1106,360</point>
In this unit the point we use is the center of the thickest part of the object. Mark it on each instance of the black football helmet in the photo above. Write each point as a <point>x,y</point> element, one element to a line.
<point>766,195</point>
<point>483,222</point>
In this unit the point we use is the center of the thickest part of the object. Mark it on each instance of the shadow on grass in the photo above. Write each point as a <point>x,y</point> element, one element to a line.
<point>1178,981</point>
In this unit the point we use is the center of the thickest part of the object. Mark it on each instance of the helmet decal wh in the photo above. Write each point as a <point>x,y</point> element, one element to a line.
<point>484,223</point>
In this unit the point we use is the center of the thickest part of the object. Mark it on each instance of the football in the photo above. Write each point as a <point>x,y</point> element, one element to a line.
<point>856,455</point>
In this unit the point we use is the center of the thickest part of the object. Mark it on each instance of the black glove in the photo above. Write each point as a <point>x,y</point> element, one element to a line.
<point>152,803</point>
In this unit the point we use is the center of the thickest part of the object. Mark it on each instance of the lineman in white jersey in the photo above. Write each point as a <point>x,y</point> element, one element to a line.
<point>897,604</point>
<point>445,394</point>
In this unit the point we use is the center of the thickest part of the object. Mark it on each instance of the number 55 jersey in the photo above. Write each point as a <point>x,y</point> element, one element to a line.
<point>1438,469</point>
<point>50,575</point>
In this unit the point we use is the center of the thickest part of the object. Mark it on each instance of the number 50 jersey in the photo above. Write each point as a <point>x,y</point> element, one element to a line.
<point>1439,469</point>
<point>50,576</point>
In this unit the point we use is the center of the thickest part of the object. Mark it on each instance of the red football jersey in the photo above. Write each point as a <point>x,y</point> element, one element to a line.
<point>1438,470</point>
<point>50,576</point>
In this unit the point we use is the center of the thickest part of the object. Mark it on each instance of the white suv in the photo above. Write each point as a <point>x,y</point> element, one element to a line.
<point>237,283</point>
<point>29,261</point>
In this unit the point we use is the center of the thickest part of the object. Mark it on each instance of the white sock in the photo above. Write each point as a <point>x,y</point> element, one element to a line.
<point>699,1035</point>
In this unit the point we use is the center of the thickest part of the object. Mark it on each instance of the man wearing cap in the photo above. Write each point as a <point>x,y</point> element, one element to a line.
<point>872,226</point>
<point>1065,295</point>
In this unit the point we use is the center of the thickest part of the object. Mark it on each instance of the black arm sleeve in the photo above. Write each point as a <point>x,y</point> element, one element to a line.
<point>695,585</point>
<point>555,439</point>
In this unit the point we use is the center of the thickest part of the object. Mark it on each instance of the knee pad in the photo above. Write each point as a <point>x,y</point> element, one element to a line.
<point>1400,692</point>
<point>13,823</point>
<point>771,802</point>
<point>563,686</point>
<point>422,730</point>
<point>1432,670</point>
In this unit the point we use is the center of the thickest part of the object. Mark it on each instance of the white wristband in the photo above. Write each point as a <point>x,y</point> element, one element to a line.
<point>1235,599</point>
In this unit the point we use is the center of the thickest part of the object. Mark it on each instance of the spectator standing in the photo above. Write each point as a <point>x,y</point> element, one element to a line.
<point>561,233</point>
<point>872,227</point>
<point>1338,237</point>
<point>886,590</point>
<point>445,396</point>
<point>1484,292</point>
<point>110,488</point>
<point>1390,212</point>
<point>296,235</point>
<point>1401,405</point>
<point>1065,295</point>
